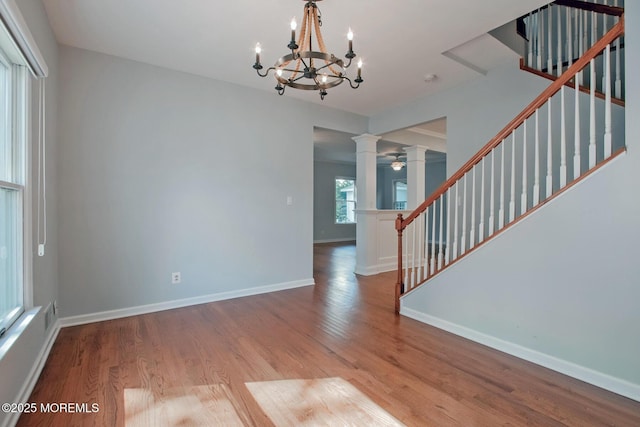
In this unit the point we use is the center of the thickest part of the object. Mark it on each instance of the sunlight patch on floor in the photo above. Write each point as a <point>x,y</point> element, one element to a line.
<point>318,402</point>
<point>207,405</point>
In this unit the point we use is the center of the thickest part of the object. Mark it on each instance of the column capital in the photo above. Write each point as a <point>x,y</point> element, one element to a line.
<point>366,142</point>
<point>415,153</point>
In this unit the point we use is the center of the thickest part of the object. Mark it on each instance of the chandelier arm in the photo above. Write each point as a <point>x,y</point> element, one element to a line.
<point>266,72</point>
<point>351,83</point>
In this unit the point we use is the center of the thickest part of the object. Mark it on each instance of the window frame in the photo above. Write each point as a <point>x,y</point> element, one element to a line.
<point>18,180</point>
<point>335,200</point>
<point>394,183</point>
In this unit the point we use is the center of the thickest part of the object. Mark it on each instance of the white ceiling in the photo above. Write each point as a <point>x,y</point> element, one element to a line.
<point>400,41</point>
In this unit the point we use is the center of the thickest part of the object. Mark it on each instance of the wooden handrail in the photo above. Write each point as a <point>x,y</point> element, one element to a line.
<point>593,7</point>
<point>615,32</point>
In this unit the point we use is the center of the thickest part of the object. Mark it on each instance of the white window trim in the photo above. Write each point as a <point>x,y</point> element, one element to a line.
<point>20,124</point>
<point>335,201</point>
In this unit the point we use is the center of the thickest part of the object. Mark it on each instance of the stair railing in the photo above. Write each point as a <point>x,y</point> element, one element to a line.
<point>514,174</point>
<point>561,32</point>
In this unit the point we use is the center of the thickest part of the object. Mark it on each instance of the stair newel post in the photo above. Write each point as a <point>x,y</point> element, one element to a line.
<point>399,284</point>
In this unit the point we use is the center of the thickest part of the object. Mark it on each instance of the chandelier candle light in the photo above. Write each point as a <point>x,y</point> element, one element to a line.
<point>308,69</point>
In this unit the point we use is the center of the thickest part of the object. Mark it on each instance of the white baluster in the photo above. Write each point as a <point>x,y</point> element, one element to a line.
<point>463,240</point>
<point>585,30</point>
<point>549,181</point>
<point>592,116</point>
<point>501,210</point>
<point>413,256</point>
<point>512,200</point>
<point>447,253</point>
<point>559,69</point>
<point>569,38</point>
<point>563,142</point>
<point>440,250</point>
<point>530,40</point>
<point>618,83</point>
<point>423,247</point>
<point>607,102</point>
<point>540,39</point>
<point>405,257</point>
<point>492,199</point>
<point>455,225</point>
<point>549,41</point>
<point>433,239</point>
<point>580,29</point>
<point>576,133</point>
<point>482,191</point>
<point>536,172</point>
<point>472,232</point>
<point>523,196</point>
<point>594,38</point>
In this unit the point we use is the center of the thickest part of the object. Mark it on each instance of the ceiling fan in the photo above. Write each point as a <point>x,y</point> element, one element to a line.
<point>397,164</point>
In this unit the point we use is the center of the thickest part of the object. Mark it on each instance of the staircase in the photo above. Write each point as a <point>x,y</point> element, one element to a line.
<point>560,139</point>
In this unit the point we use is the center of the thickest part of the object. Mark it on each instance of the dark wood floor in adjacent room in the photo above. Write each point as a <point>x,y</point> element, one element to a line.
<point>343,327</point>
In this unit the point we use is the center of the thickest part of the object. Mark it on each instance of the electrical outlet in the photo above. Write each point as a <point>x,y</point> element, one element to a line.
<point>41,250</point>
<point>175,278</point>
<point>55,308</point>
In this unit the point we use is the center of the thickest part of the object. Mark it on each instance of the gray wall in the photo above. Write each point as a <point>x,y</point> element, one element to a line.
<point>569,295</point>
<point>21,358</point>
<point>324,227</point>
<point>435,174</point>
<point>162,171</point>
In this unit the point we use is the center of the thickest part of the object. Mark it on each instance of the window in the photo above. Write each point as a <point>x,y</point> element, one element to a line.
<point>345,201</point>
<point>13,90</point>
<point>399,194</point>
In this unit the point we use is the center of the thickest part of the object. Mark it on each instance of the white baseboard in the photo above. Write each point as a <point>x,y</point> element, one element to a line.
<point>375,269</point>
<point>599,379</point>
<point>168,305</point>
<point>31,380</point>
<point>347,239</point>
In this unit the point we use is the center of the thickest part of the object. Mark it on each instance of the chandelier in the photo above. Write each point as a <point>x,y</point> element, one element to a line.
<point>308,69</point>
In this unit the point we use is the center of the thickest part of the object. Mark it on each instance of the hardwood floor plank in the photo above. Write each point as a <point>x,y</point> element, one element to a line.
<point>344,327</point>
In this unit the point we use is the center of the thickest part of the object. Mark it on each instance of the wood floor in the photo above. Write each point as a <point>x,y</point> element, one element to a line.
<point>344,328</point>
